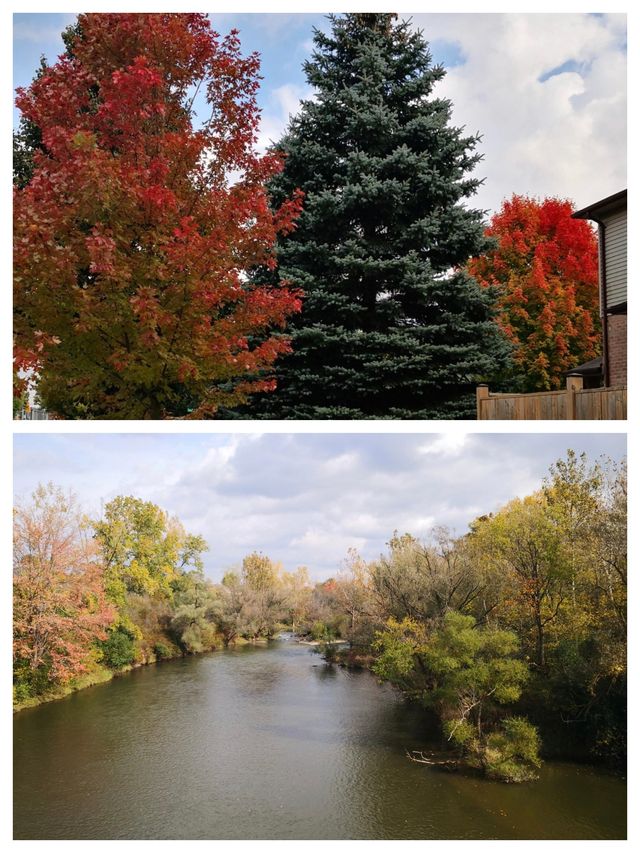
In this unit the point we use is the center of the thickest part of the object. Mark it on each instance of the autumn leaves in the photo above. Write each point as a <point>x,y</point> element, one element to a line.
<point>130,243</point>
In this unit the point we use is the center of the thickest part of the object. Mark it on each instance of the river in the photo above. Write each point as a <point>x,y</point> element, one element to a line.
<point>271,743</point>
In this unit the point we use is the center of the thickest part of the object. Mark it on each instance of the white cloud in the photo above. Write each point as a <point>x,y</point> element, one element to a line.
<point>320,543</point>
<point>216,465</point>
<point>283,103</point>
<point>341,464</point>
<point>447,444</point>
<point>561,136</point>
<point>420,526</point>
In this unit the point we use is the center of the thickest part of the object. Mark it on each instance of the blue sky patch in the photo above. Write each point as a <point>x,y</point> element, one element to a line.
<point>570,65</point>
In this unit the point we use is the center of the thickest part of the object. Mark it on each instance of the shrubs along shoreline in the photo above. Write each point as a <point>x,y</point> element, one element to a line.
<point>101,674</point>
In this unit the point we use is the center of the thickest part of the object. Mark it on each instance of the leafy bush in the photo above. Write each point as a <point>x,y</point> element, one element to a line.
<point>161,651</point>
<point>191,639</point>
<point>29,682</point>
<point>511,755</point>
<point>321,631</point>
<point>462,733</point>
<point>118,649</point>
<point>21,692</point>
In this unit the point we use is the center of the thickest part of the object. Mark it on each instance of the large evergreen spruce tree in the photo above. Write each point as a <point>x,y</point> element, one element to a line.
<point>391,326</point>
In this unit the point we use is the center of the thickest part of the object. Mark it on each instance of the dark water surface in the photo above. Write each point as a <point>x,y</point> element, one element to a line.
<point>271,743</point>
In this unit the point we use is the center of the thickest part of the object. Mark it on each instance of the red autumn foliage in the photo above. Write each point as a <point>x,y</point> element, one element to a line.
<point>60,607</point>
<point>545,272</point>
<point>131,241</point>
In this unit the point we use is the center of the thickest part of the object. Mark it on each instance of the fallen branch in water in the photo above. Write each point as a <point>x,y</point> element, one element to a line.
<point>419,757</point>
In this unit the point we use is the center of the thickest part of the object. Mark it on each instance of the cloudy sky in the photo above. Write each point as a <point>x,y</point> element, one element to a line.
<point>546,91</point>
<point>302,499</point>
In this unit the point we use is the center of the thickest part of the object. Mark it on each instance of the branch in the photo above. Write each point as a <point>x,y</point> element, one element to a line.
<point>419,757</point>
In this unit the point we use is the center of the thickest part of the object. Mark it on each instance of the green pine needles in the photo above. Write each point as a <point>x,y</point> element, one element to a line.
<point>391,326</point>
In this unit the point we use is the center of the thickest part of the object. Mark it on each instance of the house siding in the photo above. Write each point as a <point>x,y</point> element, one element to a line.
<point>615,248</point>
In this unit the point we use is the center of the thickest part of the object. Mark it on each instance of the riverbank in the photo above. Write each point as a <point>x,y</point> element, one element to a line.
<point>98,674</point>
<point>333,652</point>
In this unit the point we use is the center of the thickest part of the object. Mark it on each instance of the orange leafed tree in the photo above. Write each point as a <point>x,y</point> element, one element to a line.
<point>545,271</point>
<point>59,603</point>
<point>136,229</point>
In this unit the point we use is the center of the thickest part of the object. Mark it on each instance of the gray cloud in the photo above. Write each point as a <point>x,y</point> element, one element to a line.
<point>303,499</point>
<point>544,133</point>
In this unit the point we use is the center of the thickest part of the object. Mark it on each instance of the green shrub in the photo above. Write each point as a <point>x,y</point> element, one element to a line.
<point>460,733</point>
<point>321,631</point>
<point>21,692</point>
<point>329,653</point>
<point>118,649</point>
<point>192,640</point>
<point>511,755</point>
<point>28,682</point>
<point>162,651</point>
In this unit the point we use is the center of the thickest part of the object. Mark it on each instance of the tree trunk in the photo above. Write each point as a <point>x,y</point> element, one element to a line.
<point>154,410</point>
<point>540,659</point>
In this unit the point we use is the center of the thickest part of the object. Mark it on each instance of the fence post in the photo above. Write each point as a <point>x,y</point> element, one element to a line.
<point>574,384</point>
<point>482,393</point>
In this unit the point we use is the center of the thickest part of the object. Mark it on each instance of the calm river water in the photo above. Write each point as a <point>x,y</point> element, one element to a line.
<point>268,743</point>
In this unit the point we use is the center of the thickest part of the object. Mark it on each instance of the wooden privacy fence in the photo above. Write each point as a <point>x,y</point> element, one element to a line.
<point>574,403</point>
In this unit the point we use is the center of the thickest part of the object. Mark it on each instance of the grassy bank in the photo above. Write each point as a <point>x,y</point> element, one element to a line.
<point>95,675</point>
<point>100,674</point>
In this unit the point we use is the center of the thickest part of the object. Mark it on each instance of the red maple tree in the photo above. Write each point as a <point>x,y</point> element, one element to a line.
<point>545,271</point>
<point>59,603</point>
<point>134,234</point>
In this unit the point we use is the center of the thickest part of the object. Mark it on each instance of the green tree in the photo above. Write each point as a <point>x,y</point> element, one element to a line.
<point>392,326</point>
<point>231,579</point>
<point>467,674</point>
<point>456,669</point>
<point>423,582</point>
<point>143,549</point>
<point>532,554</point>
<point>586,685</point>
<point>119,647</point>
<point>259,572</point>
<point>610,566</point>
<point>193,620</point>
<point>227,608</point>
<point>352,593</point>
<point>512,753</point>
<point>254,604</point>
<point>296,589</point>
